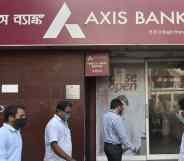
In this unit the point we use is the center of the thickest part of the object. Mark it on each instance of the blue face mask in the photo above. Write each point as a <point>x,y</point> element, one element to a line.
<point>66,116</point>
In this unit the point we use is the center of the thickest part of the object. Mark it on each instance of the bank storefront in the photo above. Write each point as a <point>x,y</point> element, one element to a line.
<point>90,52</point>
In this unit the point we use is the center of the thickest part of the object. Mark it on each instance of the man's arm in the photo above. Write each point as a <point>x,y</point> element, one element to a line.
<point>122,133</point>
<point>60,152</point>
<point>53,138</point>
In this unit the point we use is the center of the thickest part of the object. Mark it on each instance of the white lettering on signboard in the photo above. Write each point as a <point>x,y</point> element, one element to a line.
<point>159,17</point>
<point>107,18</point>
<point>28,19</point>
<point>4,19</point>
<point>141,17</point>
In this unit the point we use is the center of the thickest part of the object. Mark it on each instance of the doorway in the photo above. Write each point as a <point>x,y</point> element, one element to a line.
<point>165,89</point>
<point>153,89</point>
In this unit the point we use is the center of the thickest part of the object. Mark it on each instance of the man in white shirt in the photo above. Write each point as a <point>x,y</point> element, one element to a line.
<point>58,144</point>
<point>10,137</point>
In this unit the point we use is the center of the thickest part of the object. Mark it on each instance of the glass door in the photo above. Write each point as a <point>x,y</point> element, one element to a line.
<point>165,89</point>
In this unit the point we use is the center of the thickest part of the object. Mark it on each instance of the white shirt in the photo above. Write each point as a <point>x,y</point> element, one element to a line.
<point>181,155</point>
<point>10,143</point>
<point>57,130</point>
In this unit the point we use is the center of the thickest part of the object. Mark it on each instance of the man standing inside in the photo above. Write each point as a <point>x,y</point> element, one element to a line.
<point>58,144</point>
<point>10,137</point>
<point>115,134</point>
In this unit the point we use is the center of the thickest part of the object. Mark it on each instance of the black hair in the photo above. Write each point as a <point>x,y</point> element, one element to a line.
<point>61,106</point>
<point>11,110</point>
<point>115,103</point>
<point>181,103</point>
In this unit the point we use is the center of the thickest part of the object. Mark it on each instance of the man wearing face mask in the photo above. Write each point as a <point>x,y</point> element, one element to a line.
<point>58,144</point>
<point>115,133</point>
<point>10,136</point>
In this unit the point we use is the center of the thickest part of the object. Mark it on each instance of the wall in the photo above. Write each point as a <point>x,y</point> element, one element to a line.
<point>42,76</point>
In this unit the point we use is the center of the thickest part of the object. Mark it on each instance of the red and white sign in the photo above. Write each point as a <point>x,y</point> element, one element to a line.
<point>97,65</point>
<point>97,22</point>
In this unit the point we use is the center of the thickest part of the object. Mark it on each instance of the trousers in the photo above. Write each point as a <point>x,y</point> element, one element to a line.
<point>113,152</point>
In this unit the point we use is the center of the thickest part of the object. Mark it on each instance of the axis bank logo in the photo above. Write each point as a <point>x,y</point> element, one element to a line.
<point>60,21</point>
<point>120,17</point>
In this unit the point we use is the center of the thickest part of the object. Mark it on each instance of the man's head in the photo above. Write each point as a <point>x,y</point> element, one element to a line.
<point>64,109</point>
<point>15,115</point>
<point>117,106</point>
<point>123,99</point>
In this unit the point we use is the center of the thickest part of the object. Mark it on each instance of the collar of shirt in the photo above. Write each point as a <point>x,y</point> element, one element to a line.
<point>57,117</point>
<point>9,127</point>
<point>122,116</point>
<point>113,112</point>
<point>60,120</point>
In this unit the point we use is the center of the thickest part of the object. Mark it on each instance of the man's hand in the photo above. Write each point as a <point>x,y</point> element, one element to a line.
<point>136,150</point>
<point>72,159</point>
<point>60,152</point>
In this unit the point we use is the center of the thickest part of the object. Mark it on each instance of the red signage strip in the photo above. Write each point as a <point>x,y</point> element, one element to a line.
<point>97,65</point>
<point>59,22</point>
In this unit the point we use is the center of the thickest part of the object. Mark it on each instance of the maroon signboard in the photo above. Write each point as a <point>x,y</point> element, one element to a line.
<point>97,65</point>
<point>95,22</point>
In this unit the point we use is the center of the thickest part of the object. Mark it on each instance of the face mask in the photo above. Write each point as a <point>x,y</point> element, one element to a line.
<point>20,123</point>
<point>66,116</point>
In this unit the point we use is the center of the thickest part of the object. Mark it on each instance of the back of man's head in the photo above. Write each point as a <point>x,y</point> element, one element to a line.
<point>123,99</point>
<point>115,103</point>
<point>61,106</point>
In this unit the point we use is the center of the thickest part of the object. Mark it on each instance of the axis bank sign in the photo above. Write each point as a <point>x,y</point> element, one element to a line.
<point>110,18</point>
<point>121,17</point>
<point>88,24</point>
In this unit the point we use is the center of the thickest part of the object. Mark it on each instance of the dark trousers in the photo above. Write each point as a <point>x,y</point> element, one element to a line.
<point>113,152</point>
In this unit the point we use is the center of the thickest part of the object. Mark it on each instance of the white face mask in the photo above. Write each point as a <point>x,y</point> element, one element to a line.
<point>180,116</point>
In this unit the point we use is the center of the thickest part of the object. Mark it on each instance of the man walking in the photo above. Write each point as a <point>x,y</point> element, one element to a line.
<point>58,144</point>
<point>10,137</point>
<point>115,134</point>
